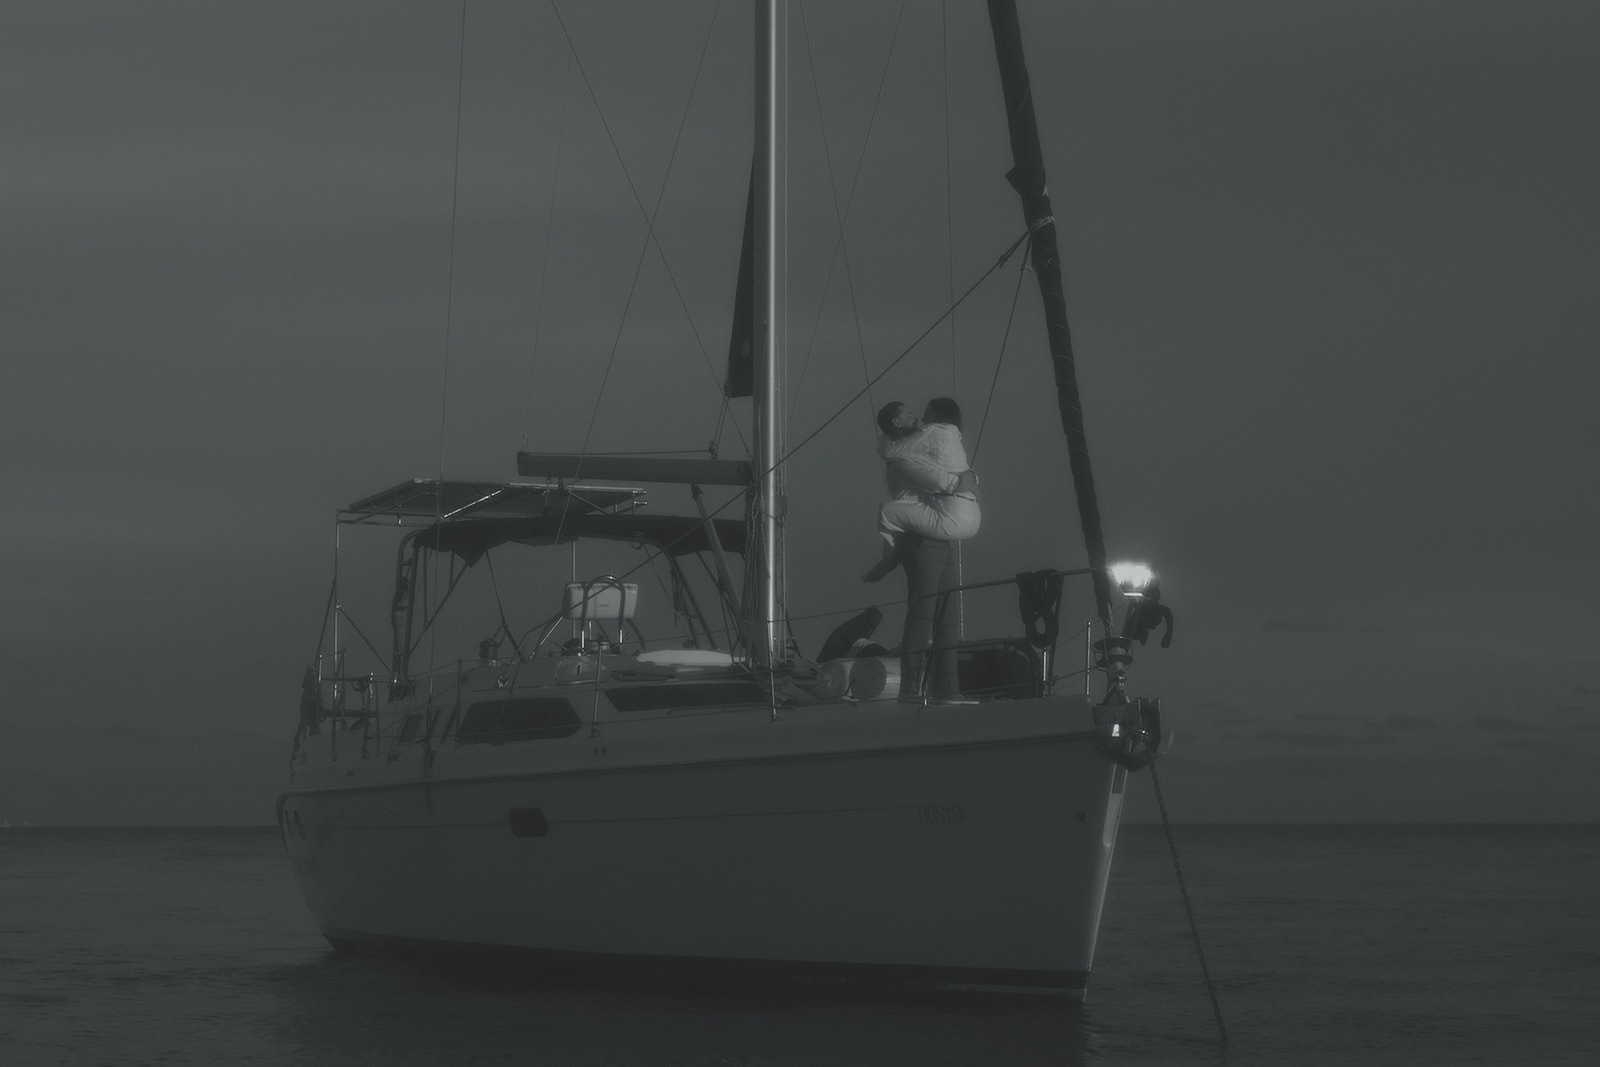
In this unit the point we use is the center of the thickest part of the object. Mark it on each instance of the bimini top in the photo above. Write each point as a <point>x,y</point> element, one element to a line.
<point>430,500</point>
<point>675,535</point>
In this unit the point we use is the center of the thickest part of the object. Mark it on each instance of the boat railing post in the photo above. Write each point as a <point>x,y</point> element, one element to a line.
<point>337,610</point>
<point>369,715</point>
<point>338,680</point>
<point>933,647</point>
<point>338,702</point>
<point>599,647</point>
<point>1047,657</point>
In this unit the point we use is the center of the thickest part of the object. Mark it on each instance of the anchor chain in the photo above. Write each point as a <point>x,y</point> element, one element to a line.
<point>1183,888</point>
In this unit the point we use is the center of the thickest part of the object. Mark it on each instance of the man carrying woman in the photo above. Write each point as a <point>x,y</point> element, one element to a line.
<point>933,504</point>
<point>932,487</point>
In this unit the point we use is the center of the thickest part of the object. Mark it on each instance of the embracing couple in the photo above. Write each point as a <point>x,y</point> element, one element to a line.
<point>932,487</point>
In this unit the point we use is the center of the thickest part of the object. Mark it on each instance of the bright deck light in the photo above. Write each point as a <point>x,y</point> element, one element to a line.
<point>1132,578</point>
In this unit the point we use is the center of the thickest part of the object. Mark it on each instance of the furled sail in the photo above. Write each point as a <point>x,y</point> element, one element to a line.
<point>1028,178</point>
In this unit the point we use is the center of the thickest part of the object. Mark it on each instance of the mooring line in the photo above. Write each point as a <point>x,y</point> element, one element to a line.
<point>1183,887</point>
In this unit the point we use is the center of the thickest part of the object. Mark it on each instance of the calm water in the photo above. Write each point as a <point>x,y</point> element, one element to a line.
<point>1330,945</point>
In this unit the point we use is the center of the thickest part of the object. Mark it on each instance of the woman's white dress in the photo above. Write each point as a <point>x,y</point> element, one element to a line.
<point>924,469</point>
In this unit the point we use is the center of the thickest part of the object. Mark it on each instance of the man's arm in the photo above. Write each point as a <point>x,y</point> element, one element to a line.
<point>931,479</point>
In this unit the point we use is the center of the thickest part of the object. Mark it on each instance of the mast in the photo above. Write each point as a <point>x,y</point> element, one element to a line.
<point>1028,178</point>
<point>770,196</point>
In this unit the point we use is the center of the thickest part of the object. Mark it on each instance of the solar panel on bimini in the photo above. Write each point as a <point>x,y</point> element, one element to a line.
<point>428,498</point>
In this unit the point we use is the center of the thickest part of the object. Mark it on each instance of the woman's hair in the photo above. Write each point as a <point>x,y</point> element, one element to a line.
<point>886,416</point>
<point>943,409</point>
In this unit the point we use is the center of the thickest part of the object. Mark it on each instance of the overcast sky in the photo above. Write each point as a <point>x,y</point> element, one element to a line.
<point>1330,270</point>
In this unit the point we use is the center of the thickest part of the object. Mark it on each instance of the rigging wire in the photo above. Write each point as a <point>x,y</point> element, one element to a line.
<point>649,217</point>
<point>789,454</point>
<point>950,277</point>
<point>327,613</point>
<point>841,251</point>
<point>1183,888</point>
<point>715,445</point>
<point>611,359</point>
<point>549,229</point>
<point>988,403</point>
<point>848,404</point>
<point>1004,256</point>
<point>949,196</point>
<point>379,656</point>
<point>744,493</point>
<point>450,298</point>
<point>494,584</point>
<point>450,278</point>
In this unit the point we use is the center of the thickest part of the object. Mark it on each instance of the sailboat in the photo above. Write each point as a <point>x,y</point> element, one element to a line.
<point>593,791</point>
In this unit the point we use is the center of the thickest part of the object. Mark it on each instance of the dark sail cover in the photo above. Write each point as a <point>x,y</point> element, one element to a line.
<point>741,362</point>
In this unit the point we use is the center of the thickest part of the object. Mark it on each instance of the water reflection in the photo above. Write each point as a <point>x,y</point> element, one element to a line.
<point>362,1010</point>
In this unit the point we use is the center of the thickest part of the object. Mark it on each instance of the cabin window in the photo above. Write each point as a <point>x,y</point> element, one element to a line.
<point>494,722</point>
<point>686,695</point>
<point>1006,671</point>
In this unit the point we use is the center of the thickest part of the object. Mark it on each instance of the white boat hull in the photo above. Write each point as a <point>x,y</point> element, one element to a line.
<point>964,846</point>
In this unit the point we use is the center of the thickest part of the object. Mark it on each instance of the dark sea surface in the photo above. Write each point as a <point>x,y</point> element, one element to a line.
<point>1328,945</point>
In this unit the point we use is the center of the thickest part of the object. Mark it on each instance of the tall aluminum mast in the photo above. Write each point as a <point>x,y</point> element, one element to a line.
<point>771,196</point>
